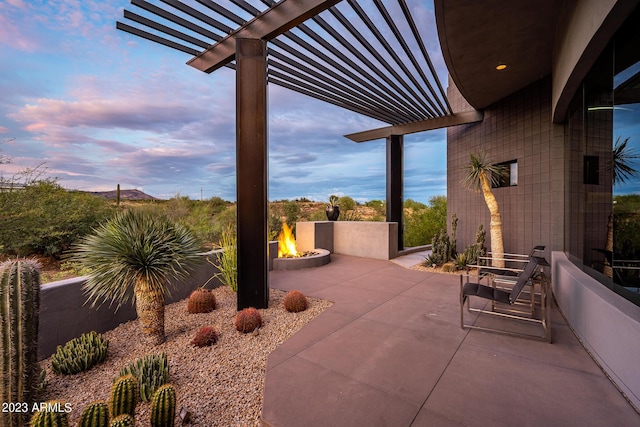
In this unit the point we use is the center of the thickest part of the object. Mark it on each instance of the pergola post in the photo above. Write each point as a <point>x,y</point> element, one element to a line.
<point>251,172</point>
<point>395,184</point>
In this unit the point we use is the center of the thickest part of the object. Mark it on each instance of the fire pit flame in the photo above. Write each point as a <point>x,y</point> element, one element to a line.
<point>287,243</point>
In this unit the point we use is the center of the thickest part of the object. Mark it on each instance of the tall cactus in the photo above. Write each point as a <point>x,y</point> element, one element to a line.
<point>96,414</point>
<point>19,311</point>
<point>51,416</point>
<point>124,396</point>
<point>163,407</point>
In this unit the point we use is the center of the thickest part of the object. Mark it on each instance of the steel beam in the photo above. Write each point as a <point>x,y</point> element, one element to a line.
<point>276,20</point>
<point>461,118</point>
<point>251,173</point>
<point>395,184</point>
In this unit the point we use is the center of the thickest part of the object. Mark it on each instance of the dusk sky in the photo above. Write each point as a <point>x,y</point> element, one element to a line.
<point>103,107</point>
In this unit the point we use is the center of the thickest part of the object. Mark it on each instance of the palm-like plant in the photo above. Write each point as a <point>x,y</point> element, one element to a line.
<point>622,170</point>
<point>133,257</point>
<point>481,174</point>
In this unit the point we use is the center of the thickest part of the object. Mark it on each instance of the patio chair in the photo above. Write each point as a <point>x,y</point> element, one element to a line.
<point>515,263</point>
<point>502,301</point>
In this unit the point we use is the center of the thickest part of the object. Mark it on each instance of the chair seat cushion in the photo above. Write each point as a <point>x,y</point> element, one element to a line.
<point>486,292</point>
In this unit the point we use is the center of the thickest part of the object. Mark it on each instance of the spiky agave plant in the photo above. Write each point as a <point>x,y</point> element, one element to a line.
<point>133,257</point>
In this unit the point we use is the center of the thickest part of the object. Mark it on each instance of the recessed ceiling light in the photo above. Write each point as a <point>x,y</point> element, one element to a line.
<point>501,67</point>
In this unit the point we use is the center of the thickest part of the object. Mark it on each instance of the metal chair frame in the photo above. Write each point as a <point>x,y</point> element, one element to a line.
<point>535,276</point>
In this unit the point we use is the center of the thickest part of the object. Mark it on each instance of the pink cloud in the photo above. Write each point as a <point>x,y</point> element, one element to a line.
<point>3,129</point>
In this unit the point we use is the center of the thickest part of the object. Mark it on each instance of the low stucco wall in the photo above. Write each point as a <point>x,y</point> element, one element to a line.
<point>377,240</point>
<point>64,313</point>
<point>607,324</point>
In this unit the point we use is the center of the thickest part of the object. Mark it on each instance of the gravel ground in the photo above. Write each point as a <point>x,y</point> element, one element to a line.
<point>220,385</point>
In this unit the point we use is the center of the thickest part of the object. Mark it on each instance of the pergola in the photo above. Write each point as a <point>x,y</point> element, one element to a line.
<point>369,59</point>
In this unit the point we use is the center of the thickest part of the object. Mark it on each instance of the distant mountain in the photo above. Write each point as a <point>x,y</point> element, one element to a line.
<point>124,195</point>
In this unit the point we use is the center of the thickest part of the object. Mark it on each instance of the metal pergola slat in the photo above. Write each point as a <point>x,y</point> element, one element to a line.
<point>351,72</point>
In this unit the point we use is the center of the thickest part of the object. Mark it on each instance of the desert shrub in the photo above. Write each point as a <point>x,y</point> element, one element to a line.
<point>295,301</point>
<point>152,371</point>
<point>205,336</point>
<point>80,354</point>
<point>346,203</point>
<point>379,206</point>
<point>248,320</point>
<point>350,215</point>
<point>44,218</point>
<point>223,221</point>
<point>422,222</point>
<point>201,301</point>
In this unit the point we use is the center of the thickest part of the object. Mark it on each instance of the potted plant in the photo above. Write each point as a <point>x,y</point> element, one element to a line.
<point>333,210</point>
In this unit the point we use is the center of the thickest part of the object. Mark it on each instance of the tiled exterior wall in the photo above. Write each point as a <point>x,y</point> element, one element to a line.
<point>516,128</point>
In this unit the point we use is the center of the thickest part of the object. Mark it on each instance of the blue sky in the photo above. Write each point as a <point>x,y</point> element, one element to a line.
<point>103,107</point>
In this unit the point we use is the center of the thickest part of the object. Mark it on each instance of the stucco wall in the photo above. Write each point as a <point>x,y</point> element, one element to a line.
<point>607,324</point>
<point>64,314</point>
<point>377,240</point>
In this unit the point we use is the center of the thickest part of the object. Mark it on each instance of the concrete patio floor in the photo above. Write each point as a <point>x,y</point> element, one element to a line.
<point>390,352</point>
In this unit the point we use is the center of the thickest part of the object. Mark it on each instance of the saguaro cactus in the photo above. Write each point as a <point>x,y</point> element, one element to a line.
<point>124,396</point>
<point>96,414</point>
<point>19,311</point>
<point>163,407</point>
<point>124,420</point>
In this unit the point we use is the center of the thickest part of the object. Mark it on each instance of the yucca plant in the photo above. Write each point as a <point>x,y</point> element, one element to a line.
<point>133,257</point>
<point>481,174</point>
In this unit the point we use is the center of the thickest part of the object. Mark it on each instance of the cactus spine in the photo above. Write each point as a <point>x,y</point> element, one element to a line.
<point>19,311</point>
<point>163,407</point>
<point>96,414</point>
<point>124,420</point>
<point>51,416</point>
<point>124,396</point>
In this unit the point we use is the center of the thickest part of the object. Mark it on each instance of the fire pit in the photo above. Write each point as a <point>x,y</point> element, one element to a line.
<point>289,258</point>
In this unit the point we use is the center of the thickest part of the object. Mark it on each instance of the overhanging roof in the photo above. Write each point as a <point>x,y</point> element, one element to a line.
<point>366,56</point>
<point>476,36</point>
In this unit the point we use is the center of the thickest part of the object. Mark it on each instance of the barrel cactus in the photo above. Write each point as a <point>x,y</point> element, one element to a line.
<point>19,315</point>
<point>206,336</point>
<point>152,371</point>
<point>163,407</point>
<point>248,320</point>
<point>96,414</point>
<point>201,301</point>
<point>295,301</point>
<point>124,396</point>
<point>51,415</point>
<point>124,420</point>
<point>80,354</point>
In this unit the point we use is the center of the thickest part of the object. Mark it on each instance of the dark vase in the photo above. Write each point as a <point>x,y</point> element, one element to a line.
<point>333,212</point>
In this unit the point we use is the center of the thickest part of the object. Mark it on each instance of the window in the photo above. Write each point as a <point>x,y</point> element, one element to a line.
<point>509,176</point>
<point>591,175</point>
